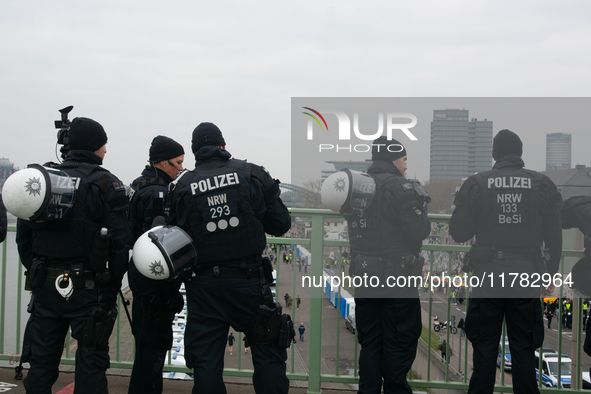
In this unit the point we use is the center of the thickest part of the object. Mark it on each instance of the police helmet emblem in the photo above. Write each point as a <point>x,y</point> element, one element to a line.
<point>156,268</point>
<point>339,184</point>
<point>33,186</point>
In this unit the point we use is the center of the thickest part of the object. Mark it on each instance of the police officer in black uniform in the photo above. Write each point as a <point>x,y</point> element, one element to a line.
<point>227,206</point>
<point>576,212</point>
<point>155,302</point>
<point>68,248</point>
<point>386,241</point>
<point>512,211</point>
<point>3,221</point>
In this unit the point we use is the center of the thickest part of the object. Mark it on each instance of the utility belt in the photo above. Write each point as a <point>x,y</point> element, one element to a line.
<point>81,279</point>
<point>85,273</point>
<point>40,270</point>
<point>408,264</point>
<point>68,277</point>
<point>244,269</point>
<point>484,254</point>
<point>217,271</point>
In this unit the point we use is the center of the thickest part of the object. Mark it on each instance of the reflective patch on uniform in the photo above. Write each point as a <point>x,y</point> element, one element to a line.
<point>223,224</point>
<point>418,211</point>
<point>407,186</point>
<point>215,182</point>
<point>509,182</point>
<point>509,207</point>
<point>220,211</point>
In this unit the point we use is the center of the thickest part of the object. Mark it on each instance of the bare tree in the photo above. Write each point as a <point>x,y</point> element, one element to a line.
<point>442,195</point>
<point>313,198</point>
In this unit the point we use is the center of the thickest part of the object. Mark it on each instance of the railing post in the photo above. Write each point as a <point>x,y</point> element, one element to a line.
<point>3,296</point>
<point>577,308</point>
<point>315,359</point>
<point>315,375</point>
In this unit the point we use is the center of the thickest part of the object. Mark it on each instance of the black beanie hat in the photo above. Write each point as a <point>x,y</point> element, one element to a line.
<point>387,150</point>
<point>206,133</point>
<point>87,134</point>
<point>164,148</point>
<point>506,143</point>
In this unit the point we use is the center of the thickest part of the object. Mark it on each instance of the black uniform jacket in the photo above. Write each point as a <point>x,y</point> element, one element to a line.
<point>412,224</point>
<point>462,225</point>
<point>147,203</point>
<point>264,194</point>
<point>3,220</point>
<point>107,207</point>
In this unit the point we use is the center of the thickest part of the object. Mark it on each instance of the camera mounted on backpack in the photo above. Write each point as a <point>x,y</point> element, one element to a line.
<point>63,134</point>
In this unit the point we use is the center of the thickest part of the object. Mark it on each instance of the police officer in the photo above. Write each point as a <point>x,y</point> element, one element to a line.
<point>512,211</point>
<point>227,206</point>
<point>154,302</point>
<point>569,315</point>
<point>66,251</point>
<point>387,239</point>
<point>576,212</point>
<point>3,221</point>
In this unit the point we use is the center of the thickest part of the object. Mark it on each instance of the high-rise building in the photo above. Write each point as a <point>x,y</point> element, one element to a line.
<point>558,151</point>
<point>460,146</point>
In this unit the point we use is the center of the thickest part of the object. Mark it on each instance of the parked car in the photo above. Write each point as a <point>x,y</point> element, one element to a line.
<point>350,323</point>
<point>550,362</point>
<point>342,236</point>
<point>274,294</point>
<point>506,355</point>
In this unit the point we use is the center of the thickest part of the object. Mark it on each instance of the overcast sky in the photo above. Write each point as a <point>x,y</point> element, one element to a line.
<point>532,118</point>
<point>143,68</point>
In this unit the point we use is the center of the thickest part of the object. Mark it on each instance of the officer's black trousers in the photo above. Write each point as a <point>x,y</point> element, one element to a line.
<point>151,345</point>
<point>388,331</point>
<point>213,305</point>
<point>525,329</point>
<point>46,331</point>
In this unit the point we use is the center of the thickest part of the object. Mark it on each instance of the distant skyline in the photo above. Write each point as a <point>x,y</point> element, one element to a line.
<point>558,151</point>
<point>528,117</point>
<point>153,67</point>
<point>460,145</point>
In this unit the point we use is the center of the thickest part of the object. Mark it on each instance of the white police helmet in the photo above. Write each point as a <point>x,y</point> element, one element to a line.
<point>164,253</point>
<point>39,193</point>
<point>348,191</point>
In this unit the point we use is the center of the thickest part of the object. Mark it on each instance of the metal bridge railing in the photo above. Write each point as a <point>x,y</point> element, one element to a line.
<point>13,310</point>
